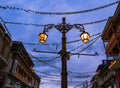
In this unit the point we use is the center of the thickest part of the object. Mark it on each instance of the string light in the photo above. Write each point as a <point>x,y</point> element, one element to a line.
<point>42,25</point>
<point>81,75</point>
<point>54,66</point>
<point>58,13</point>
<point>60,80</point>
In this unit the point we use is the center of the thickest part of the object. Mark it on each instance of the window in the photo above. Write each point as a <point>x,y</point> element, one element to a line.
<point>15,66</point>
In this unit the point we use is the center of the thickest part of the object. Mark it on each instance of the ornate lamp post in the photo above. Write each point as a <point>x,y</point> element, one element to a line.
<point>64,28</point>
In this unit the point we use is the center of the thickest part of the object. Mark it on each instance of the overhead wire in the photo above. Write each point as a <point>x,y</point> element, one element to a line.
<point>52,65</point>
<point>57,13</point>
<point>98,34</point>
<point>90,44</point>
<point>81,75</point>
<point>44,62</point>
<point>60,80</point>
<point>56,67</point>
<point>47,73</point>
<point>56,79</point>
<point>69,42</point>
<point>42,25</point>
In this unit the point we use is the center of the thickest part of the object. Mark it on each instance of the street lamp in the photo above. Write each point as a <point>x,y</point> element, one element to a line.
<point>85,36</point>
<point>43,37</point>
<point>64,28</point>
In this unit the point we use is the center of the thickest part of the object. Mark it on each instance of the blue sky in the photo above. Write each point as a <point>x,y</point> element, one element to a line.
<point>29,34</point>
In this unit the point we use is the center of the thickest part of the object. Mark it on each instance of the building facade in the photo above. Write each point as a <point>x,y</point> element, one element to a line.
<point>16,67</point>
<point>108,73</point>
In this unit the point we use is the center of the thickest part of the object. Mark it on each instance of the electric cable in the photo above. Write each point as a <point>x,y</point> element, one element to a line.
<point>42,25</point>
<point>57,13</point>
<point>90,44</point>
<point>83,44</point>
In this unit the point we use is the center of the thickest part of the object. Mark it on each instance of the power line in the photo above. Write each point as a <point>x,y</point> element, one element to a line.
<point>83,44</point>
<point>60,80</point>
<point>54,66</point>
<point>47,73</point>
<point>42,25</point>
<point>79,76</point>
<point>58,13</point>
<point>52,76</point>
<point>44,62</point>
<point>90,44</point>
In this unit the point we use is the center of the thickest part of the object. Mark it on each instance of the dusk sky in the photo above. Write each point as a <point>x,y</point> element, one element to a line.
<point>80,68</point>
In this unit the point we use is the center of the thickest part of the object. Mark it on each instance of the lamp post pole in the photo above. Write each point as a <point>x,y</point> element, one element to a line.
<point>64,28</point>
<point>64,59</point>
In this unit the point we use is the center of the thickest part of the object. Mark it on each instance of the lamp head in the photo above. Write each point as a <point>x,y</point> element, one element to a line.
<point>85,36</point>
<point>43,37</point>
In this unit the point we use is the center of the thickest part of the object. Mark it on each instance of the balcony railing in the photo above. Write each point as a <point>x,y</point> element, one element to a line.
<point>106,77</point>
<point>19,76</point>
<point>23,79</point>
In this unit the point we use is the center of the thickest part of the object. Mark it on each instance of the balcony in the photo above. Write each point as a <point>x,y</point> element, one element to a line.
<point>23,79</point>
<point>106,78</point>
<point>19,76</point>
<point>113,46</point>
